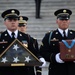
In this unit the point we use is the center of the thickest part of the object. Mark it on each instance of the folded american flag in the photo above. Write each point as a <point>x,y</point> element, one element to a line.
<point>16,54</point>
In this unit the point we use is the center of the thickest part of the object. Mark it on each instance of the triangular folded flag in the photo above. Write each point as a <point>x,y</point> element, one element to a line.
<point>16,54</point>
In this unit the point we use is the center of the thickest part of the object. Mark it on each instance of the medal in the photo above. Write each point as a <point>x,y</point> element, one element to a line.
<point>69,50</point>
<point>67,45</point>
<point>72,56</point>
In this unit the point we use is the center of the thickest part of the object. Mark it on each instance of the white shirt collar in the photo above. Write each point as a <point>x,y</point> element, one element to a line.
<point>16,33</point>
<point>61,31</point>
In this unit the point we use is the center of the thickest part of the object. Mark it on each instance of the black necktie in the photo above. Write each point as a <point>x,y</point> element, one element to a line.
<point>13,35</point>
<point>64,34</point>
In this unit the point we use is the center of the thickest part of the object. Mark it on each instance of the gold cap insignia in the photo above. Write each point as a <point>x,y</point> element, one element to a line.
<point>12,11</point>
<point>21,18</point>
<point>64,11</point>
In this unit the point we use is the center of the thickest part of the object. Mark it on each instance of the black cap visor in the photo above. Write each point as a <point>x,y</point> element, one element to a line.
<point>63,17</point>
<point>12,17</point>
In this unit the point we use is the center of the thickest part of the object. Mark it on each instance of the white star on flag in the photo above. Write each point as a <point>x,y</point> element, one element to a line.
<point>16,59</point>
<point>15,47</point>
<point>4,60</point>
<point>27,59</point>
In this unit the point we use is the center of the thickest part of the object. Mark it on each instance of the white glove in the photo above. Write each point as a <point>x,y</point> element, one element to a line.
<point>74,61</point>
<point>44,62</point>
<point>57,57</point>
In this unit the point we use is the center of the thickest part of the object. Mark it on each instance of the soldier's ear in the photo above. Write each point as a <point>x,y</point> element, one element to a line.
<point>57,21</point>
<point>4,23</point>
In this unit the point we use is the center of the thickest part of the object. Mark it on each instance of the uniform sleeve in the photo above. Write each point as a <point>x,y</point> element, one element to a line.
<point>33,46</point>
<point>38,70</point>
<point>1,44</point>
<point>45,49</point>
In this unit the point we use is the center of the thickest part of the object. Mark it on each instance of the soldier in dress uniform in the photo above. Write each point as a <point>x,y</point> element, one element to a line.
<point>22,23</point>
<point>23,27</point>
<point>49,48</point>
<point>11,21</point>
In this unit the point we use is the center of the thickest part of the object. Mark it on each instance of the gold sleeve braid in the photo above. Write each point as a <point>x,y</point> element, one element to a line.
<point>38,71</point>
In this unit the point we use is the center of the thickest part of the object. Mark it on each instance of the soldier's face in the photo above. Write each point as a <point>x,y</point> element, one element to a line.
<point>12,25</point>
<point>63,24</point>
<point>22,29</point>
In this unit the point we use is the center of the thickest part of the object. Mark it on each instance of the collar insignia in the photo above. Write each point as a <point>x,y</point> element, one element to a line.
<point>70,32</point>
<point>20,34</point>
<point>56,32</point>
<point>5,34</point>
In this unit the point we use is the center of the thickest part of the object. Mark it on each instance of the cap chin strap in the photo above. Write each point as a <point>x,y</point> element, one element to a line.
<point>22,21</point>
<point>11,14</point>
<point>62,13</point>
<point>6,16</point>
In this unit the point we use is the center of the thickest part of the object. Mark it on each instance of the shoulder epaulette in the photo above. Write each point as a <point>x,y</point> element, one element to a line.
<point>49,31</point>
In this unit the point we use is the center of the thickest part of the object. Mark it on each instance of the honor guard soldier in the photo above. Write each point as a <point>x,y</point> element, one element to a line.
<point>23,27</point>
<point>11,21</point>
<point>22,23</point>
<point>50,44</point>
